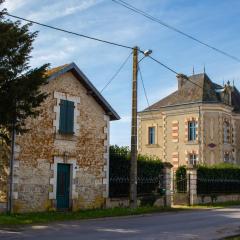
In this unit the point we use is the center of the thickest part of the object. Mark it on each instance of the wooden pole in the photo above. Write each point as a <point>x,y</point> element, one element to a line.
<point>133,164</point>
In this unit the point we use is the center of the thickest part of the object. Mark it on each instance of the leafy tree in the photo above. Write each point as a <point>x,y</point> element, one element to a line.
<point>20,93</point>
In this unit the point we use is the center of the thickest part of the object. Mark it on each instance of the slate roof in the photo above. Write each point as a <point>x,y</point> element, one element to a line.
<point>205,92</point>
<point>72,67</point>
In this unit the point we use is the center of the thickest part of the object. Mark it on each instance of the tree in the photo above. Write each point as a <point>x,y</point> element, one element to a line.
<point>20,93</point>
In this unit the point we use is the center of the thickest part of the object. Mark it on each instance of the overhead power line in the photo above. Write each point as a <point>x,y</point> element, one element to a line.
<point>145,14</point>
<point>171,70</point>
<point>69,32</point>
<point>117,72</point>
<point>143,85</point>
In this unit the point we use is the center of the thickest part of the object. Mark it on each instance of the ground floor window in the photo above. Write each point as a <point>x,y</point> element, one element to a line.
<point>192,159</point>
<point>226,157</point>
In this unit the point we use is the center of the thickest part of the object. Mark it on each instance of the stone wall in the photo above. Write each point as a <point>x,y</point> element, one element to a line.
<point>172,144</point>
<point>205,198</point>
<point>4,171</point>
<point>42,147</point>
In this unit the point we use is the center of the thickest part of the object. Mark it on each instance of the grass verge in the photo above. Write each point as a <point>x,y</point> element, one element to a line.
<point>47,217</point>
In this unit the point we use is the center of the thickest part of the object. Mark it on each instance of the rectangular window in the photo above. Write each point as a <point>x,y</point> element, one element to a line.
<point>226,132</point>
<point>193,159</point>
<point>226,157</point>
<point>191,131</point>
<point>151,135</point>
<point>66,117</point>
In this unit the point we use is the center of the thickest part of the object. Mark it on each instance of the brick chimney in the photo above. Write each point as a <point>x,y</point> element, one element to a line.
<point>181,80</point>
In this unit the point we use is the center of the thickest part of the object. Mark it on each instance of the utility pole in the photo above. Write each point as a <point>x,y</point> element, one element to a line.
<point>133,163</point>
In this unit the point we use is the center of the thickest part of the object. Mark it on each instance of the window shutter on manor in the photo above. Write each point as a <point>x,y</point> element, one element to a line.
<point>66,117</point>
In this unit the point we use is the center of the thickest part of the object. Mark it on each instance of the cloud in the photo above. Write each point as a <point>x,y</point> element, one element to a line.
<point>13,5</point>
<point>61,9</point>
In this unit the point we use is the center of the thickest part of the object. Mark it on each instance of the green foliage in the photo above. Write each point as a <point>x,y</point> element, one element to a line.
<point>19,84</point>
<point>120,163</point>
<point>220,171</point>
<point>149,170</point>
<point>181,179</point>
<point>47,217</point>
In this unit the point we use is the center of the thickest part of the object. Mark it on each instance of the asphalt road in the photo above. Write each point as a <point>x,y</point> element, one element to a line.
<point>199,224</point>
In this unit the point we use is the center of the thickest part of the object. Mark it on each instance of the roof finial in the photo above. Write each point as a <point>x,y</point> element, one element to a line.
<point>204,70</point>
<point>193,72</point>
<point>233,82</point>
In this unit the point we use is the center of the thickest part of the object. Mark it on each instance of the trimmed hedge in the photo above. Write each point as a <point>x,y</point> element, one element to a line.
<point>149,171</point>
<point>218,179</point>
<point>221,171</point>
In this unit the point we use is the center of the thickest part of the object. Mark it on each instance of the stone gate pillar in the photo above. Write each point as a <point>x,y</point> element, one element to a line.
<point>167,183</point>
<point>192,185</point>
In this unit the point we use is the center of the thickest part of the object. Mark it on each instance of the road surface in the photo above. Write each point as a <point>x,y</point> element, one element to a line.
<point>197,224</point>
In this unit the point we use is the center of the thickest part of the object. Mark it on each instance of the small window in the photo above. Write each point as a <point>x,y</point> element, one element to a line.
<point>66,117</point>
<point>192,159</point>
<point>226,157</point>
<point>192,131</point>
<point>151,135</point>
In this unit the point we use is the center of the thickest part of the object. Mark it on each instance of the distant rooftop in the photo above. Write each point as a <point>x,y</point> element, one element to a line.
<point>204,90</point>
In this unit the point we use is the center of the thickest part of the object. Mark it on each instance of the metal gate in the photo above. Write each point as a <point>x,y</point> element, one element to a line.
<point>180,190</point>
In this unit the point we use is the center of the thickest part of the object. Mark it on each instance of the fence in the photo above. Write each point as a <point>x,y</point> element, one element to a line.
<point>119,186</point>
<point>218,186</point>
<point>149,179</point>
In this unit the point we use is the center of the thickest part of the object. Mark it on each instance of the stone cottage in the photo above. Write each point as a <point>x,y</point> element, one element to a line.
<point>198,123</point>
<point>62,161</point>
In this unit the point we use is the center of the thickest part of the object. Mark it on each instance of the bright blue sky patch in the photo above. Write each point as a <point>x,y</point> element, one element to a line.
<point>215,22</point>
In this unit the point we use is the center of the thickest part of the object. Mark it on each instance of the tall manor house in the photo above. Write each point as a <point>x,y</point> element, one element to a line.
<point>198,123</point>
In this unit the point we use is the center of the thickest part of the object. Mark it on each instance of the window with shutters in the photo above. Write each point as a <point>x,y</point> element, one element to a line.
<point>66,121</point>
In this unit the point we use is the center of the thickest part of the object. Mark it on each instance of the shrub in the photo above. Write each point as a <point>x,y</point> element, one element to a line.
<point>149,171</point>
<point>181,179</point>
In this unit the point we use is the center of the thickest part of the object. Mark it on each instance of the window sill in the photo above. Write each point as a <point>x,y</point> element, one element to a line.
<point>65,137</point>
<point>192,143</point>
<point>152,145</point>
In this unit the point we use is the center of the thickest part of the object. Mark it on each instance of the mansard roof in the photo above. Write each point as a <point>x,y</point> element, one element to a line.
<point>73,68</point>
<point>199,89</point>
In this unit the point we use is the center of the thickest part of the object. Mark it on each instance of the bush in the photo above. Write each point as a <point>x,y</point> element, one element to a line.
<point>218,179</point>
<point>181,179</point>
<point>149,171</point>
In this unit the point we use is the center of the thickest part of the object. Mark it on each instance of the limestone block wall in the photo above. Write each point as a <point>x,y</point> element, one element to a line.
<point>178,149</point>
<point>42,147</point>
<point>209,147</point>
<point>146,121</point>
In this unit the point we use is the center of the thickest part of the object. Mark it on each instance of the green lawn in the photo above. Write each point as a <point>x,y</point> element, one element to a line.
<point>46,217</point>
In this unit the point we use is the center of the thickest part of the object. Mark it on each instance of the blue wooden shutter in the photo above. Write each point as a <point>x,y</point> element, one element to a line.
<point>66,117</point>
<point>63,118</point>
<point>70,116</point>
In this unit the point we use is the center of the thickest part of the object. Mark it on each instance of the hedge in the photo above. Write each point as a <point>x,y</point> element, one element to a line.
<point>149,172</point>
<point>218,179</point>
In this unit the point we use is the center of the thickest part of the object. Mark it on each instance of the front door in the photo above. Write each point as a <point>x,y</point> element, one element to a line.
<point>63,186</point>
